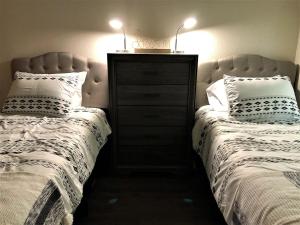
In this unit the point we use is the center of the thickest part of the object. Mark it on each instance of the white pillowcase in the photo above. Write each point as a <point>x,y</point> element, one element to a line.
<point>261,99</point>
<point>217,97</point>
<point>45,94</point>
<point>80,76</point>
<point>77,98</point>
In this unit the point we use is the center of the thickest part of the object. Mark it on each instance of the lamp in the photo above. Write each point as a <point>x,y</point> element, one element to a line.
<point>117,25</point>
<point>187,24</point>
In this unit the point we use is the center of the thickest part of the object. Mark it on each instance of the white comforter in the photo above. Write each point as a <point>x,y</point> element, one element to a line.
<point>254,169</point>
<point>44,163</point>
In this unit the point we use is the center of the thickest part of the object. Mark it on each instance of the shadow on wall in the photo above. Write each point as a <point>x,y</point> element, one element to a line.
<point>5,80</point>
<point>297,93</point>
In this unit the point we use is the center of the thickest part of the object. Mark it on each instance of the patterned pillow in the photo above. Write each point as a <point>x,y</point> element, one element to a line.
<point>261,99</point>
<point>77,97</point>
<point>44,94</point>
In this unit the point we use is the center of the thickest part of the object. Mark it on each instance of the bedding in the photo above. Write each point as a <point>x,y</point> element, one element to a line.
<point>253,168</point>
<point>47,94</point>
<point>80,78</point>
<point>217,96</point>
<point>261,99</point>
<point>44,163</point>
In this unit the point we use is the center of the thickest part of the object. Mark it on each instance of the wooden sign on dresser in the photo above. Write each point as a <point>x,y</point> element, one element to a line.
<point>152,110</point>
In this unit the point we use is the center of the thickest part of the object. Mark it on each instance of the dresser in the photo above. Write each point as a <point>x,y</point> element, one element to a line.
<point>151,110</point>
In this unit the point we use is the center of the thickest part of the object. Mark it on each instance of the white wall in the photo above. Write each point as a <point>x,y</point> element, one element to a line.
<point>228,27</point>
<point>225,27</point>
<point>1,30</point>
<point>4,64</point>
<point>297,58</point>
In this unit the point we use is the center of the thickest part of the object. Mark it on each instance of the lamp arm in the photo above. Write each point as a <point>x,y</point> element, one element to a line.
<point>124,38</point>
<point>178,29</point>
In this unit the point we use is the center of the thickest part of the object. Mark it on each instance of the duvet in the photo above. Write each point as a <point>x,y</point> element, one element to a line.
<point>254,169</point>
<point>44,163</point>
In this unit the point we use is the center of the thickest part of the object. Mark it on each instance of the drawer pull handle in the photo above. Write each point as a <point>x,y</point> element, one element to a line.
<point>151,116</point>
<point>152,95</point>
<point>149,136</point>
<point>150,73</point>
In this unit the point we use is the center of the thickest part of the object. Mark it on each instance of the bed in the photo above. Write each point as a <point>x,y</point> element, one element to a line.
<point>253,166</point>
<point>46,160</point>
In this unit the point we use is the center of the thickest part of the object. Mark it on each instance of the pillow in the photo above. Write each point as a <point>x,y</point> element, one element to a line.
<point>261,99</point>
<point>44,94</point>
<point>77,97</point>
<point>217,96</point>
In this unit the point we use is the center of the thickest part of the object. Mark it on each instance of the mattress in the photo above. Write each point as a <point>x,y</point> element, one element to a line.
<point>44,163</point>
<point>253,169</point>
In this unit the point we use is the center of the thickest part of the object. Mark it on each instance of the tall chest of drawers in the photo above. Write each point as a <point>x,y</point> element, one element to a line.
<point>151,110</point>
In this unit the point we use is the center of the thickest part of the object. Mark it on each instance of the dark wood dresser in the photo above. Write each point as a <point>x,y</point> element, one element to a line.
<point>152,110</point>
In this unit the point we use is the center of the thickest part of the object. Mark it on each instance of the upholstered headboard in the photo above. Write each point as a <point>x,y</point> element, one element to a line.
<point>95,88</point>
<point>244,66</point>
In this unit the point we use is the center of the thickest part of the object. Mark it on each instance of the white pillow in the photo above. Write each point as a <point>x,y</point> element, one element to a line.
<point>217,97</point>
<point>44,94</point>
<point>261,99</point>
<point>77,97</point>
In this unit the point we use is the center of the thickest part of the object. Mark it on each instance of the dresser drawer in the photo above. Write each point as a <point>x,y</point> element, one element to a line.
<point>152,73</point>
<point>152,116</point>
<point>150,155</point>
<point>152,95</point>
<point>152,135</point>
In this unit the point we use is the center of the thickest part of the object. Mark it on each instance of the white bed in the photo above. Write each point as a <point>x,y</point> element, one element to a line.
<point>253,166</point>
<point>50,136</point>
<point>253,169</point>
<point>44,163</point>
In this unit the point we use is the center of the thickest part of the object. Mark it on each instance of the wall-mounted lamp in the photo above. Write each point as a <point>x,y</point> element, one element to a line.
<point>117,25</point>
<point>187,24</point>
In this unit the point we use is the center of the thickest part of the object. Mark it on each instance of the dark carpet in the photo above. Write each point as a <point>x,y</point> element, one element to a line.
<point>151,200</point>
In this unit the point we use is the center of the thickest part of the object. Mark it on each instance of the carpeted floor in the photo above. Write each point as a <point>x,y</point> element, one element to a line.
<point>151,200</point>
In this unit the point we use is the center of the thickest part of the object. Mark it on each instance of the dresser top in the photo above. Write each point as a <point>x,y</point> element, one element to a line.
<point>152,54</point>
<point>152,57</point>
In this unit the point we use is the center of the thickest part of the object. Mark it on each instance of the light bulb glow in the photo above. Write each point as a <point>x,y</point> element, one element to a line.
<point>116,24</point>
<point>189,23</point>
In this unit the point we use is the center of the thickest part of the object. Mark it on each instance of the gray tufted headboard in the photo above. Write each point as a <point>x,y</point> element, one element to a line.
<point>241,65</point>
<point>95,87</point>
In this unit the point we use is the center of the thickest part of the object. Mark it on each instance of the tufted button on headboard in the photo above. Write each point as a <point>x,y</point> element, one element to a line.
<point>95,87</point>
<point>243,66</point>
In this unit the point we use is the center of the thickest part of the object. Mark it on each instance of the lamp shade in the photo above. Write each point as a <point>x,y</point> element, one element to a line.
<point>116,24</point>
<point>189,23</point>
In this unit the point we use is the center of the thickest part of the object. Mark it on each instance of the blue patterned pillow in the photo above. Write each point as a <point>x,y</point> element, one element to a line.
<point>261,99</point>
<point>41,94</point>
